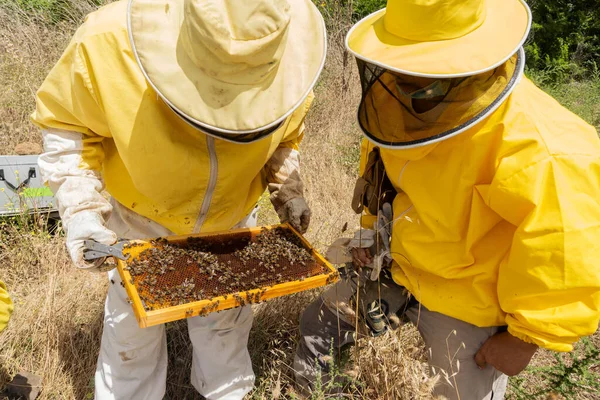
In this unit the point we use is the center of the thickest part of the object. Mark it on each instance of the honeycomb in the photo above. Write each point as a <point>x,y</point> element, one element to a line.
<point>175,272</point>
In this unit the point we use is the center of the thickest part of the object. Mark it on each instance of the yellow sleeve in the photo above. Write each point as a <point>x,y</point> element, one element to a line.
<point>549,282</point>
<point>295,131</point>
<point>67,101</point>
<point>6,306</point>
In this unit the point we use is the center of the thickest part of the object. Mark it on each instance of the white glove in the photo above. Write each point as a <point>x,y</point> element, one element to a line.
<point>83,226</point>
<point>296,213</point>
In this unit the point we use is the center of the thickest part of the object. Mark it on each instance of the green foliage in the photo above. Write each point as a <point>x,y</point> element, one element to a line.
<point>565,38</point>
<point>571,375</point>
<point>337,382</point>
<point>362,8</point>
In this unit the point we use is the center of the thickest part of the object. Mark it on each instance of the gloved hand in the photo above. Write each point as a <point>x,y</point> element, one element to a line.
<point>78,192</point>
<point>296,213</point>
<point>505,352</point>
<point>86,225</point>
<point>287,189</point>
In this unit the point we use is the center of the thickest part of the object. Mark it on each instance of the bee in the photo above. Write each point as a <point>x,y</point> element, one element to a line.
<point>345,227</point>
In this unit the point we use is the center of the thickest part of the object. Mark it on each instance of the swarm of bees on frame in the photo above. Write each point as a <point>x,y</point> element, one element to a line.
<point>215,268</point>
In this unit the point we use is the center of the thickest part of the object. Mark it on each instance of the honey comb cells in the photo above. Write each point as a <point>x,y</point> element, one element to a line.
<point>203,268</point>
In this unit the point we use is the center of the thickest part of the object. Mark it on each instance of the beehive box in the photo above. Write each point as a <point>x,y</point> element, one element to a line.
<point>22,189</point>
<point>177,277</point>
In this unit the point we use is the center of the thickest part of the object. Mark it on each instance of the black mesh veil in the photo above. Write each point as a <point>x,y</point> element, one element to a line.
<point>394,113</point>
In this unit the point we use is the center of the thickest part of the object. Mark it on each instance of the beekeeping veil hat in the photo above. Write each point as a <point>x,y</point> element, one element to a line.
<point>463,55</point>
<point>235,69</point>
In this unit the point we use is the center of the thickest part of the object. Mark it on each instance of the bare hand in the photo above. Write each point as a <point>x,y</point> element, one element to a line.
<point>361,257</point>
<point>506,353</point>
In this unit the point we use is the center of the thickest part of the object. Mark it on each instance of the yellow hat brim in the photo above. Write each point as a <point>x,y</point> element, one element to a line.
<point>503,32</point>
<point>154,29</point>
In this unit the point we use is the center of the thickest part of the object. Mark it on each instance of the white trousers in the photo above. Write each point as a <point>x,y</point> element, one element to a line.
<point>132,364</point>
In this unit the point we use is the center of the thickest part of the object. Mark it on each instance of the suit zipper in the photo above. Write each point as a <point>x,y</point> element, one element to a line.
<point>212,182</point>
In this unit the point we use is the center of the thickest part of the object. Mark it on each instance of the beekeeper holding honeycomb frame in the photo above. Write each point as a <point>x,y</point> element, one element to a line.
<point>186,111</point>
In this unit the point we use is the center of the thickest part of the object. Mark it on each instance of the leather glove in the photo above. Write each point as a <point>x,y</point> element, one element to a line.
<point>296,213</point>
<point>287,189</point>
<point>505,352</point>
<point>86,225</point>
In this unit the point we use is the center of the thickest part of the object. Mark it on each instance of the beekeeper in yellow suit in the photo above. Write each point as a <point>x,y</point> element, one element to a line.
<point>185,111</point>
<point>6,306</point>
<point>487,187</point>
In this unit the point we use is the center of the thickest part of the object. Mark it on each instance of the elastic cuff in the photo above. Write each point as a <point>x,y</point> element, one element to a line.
<point>546,343</point>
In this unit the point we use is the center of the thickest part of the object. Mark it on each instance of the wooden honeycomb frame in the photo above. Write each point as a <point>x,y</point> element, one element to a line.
<point>148,318</point>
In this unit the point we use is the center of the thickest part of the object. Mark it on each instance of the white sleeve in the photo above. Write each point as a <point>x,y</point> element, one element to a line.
<point>78,191</point>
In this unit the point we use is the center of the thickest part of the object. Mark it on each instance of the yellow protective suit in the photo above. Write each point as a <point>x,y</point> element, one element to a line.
<point>6,306</point>
<point>151,161</point>
<point>500,225</point>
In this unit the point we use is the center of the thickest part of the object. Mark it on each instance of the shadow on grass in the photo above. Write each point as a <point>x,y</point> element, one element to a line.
<point>75,355</point>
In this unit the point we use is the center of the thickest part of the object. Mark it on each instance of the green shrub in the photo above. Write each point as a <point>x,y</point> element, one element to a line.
<point>565,38</point>
<point>572,375</point>
<point>362,8</point>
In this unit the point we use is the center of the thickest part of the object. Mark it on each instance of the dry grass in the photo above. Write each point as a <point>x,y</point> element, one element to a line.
<point>57,323</point>
<point>27,49</point>
<point>55,331</point>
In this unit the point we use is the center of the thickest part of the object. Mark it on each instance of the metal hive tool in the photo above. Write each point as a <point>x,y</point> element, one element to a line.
<point>184,276</point>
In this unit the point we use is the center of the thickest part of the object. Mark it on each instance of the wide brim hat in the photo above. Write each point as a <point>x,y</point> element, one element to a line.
<point>229,66</point>
<point>441,39</point>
